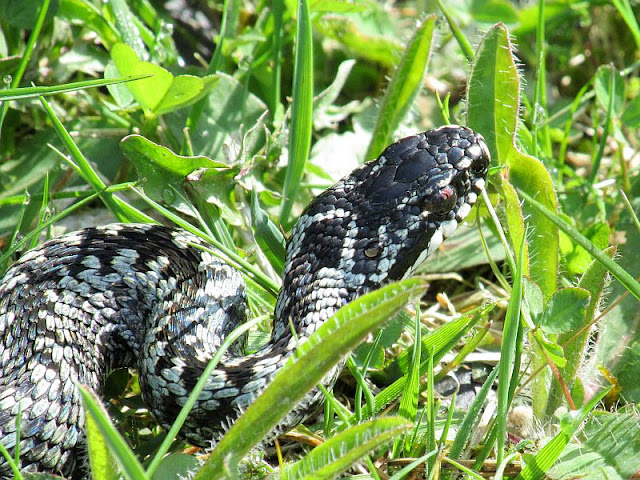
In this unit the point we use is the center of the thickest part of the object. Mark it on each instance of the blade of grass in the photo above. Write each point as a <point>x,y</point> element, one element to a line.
<point>409,401</point>
<point>342,451</point>
<point>464,44</point>
<point>403,88</point>
<point>607,125</point>
<point>24,93</point>
<point>301,112</point>
<point>129,465</point>
<point>545,458</point>
<point>540,91</point>
<point>472,417</point>
<point>508,354</point>
<point>277,10</point>
<point>630,283</point>
<point>229,14</point>
<point>120,208</point>
<point>26,56</point>
<point>195,393</point>
<point>311,362</point>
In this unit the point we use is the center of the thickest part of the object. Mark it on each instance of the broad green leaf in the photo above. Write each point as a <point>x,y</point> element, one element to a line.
<point>375,48</point>
<point>162,171</point>
<point>565,310</point>
<point>493,93</point>
<point>340,452</point>
<point>574,342</point>
<point>552,350</point>
<point>630,283</point>
<point>528,174</point>
<point>176,465</point>
<point>576,257</point>
<point>129,465</point>
<point>215,186</point>
<point>162,92</point>
<point>403,88</point>
<point>301,112</point>
<point>313,359</point>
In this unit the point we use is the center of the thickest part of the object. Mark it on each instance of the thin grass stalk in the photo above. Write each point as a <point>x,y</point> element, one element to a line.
<point>607,126</point>
<point>301,112</point>
<point>26,56</point>
<point>564,142</point>
<point>195,393</point>
<point>120,208</point>
<point>229,13</point>
<point>464,44</point>
<point>508,354</point>
<point>540,91</point>
<point>277,10</point>
<point>630,283</point>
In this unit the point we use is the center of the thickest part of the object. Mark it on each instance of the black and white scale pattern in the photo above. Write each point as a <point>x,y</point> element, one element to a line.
<point>147,297</point>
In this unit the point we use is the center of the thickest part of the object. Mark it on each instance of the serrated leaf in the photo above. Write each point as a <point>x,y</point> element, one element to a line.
<point>342,451</point>
<point>313,359</point>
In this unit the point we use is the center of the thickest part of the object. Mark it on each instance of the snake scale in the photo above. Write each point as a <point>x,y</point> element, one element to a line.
<point>145,296</point>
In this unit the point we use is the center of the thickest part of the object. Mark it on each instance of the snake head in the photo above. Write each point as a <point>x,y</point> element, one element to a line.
<point>383,219</point>
<point>424,185</point>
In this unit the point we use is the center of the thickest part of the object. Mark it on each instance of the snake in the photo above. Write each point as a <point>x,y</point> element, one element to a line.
<point>150,297</point>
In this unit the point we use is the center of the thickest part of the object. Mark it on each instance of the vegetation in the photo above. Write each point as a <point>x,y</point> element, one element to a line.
<point>134,108</point>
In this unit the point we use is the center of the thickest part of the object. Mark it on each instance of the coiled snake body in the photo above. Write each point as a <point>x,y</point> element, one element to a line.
<point>147,297</point>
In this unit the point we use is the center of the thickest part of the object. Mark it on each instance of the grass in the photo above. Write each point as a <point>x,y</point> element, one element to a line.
<point>545,277</point>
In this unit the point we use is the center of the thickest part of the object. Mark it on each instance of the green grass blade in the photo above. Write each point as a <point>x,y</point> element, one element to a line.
<point>409,401</point>
<point>507,355</point>
<point>103,464</point>
<point>26,56</point>
<point>313,359</point>
<point>607,125</point>
<point>24,93</point>
<point>472,417</point>
<point>440,342</point>
<point>301,112</point>
<point>403,88</point>
<point>342,451</point>
<point>464,44</point>
<point>628,15</point>
<point>540,90</point>
<point>195,393</point>
<point>129,465</point>
<point>630,283</point>
<point>545,458</point>
<point>121,209</point>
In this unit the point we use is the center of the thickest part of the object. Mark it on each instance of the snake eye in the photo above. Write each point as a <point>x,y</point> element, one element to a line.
<point>372,250</point>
